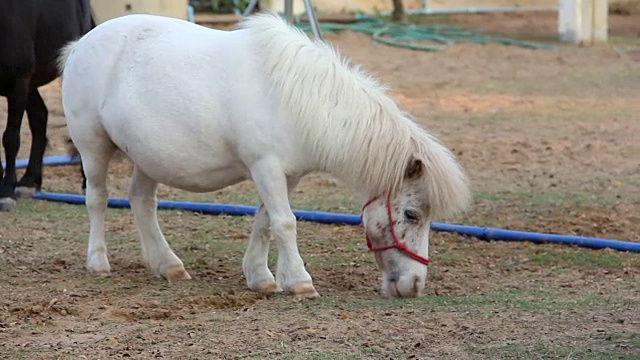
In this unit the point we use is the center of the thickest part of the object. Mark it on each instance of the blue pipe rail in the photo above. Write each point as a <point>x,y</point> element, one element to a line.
<point>207,208</point>
<point>487,233</point>
<point>55,160</point>
<point>482,233</point>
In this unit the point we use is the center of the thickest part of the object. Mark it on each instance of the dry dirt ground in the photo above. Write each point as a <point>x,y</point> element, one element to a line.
<point>551,143</point>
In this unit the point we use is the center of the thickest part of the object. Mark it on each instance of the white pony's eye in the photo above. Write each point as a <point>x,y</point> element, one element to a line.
<point>412,216</point>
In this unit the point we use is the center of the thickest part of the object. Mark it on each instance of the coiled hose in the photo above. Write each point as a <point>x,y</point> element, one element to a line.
<point>418,37</point>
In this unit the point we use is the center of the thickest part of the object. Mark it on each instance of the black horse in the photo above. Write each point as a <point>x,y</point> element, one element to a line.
<point>32,32</point>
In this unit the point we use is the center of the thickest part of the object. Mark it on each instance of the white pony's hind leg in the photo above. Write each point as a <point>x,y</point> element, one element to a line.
<point>155,249</point>
<point>95,162</point>
<point>271,183</point>
<point>255,262</point>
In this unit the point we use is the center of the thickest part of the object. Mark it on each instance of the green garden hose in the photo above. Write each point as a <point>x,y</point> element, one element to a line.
<point>418,37</point>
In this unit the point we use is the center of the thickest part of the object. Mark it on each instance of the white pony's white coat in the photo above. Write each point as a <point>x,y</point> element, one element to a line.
<point>201,109</point>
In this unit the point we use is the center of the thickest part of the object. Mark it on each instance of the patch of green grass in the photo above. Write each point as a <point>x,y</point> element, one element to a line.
<point>549,256</point>
<point>576,199</point>
<point>499,117</point>
<point>577,83</point>
<point>448,259</point>
<point>623,41</point>
<point>343,205</point>
<point>247,196</point>
<point>560,197</point>
<point>504,300</point>
<point>614,346</point>
<point>315,197</point>
<point>49,211</point>
<point>546,38</point>
<point>488,196</point>
<point>19,352</point>
<point>332,355</point>
<point>319,356</point>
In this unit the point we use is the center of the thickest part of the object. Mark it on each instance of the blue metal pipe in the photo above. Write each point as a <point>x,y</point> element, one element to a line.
<point>487,233</point>
<point>55,160</point>
<point>207,208</point>
<point>482,233</point>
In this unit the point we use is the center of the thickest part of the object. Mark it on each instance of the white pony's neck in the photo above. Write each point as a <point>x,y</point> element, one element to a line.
<point>346,119</point>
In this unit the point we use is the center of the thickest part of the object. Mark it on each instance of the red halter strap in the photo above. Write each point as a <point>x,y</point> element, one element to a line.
<point>396,243</point>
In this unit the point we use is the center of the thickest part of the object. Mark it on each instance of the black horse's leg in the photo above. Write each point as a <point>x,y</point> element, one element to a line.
<point>84,180</point>
<point>38,115</point>
<point>17,103</point>
<point>73,151</point>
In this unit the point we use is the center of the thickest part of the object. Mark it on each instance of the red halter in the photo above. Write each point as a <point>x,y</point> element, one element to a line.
<point>396,243</point>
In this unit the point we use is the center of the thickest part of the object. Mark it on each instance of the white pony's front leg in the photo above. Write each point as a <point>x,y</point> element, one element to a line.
<point>155,249</point>
<point>254,263</point>
<point>271,183</point>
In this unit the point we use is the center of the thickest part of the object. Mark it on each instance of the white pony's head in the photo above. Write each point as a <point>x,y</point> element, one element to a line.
<point>397,223</point>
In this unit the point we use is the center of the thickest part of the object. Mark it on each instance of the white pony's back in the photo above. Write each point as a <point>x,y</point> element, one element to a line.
<point>324,113</point>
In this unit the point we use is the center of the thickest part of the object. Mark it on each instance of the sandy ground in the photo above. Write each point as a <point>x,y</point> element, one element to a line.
<point>550,142</point>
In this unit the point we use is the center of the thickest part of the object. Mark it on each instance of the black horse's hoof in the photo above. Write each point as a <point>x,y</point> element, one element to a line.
<point>25,191</point>
<point>7,204</point>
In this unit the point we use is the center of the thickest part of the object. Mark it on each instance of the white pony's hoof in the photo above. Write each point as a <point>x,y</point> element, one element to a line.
<point>101,272</point>
<point>7,204</point>
<point>268,286</point>
<point>175,274</point>
<point>25,192</point>
<point>98,265</point>
<point>304,291</point>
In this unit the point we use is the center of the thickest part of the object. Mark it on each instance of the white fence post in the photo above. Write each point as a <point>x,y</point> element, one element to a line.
<point>583,21</point>
<point>600,20</point>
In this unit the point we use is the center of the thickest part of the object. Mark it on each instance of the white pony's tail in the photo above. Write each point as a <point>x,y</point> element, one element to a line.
<point>65,52</point>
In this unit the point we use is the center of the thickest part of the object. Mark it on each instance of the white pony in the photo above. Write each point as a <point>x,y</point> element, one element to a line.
<point>201,109</point>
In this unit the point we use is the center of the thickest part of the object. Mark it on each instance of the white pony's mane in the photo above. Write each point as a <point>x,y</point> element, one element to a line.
<point>346,118</point>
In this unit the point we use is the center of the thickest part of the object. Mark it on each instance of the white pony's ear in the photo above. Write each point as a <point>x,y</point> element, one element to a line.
<point>415,168</point>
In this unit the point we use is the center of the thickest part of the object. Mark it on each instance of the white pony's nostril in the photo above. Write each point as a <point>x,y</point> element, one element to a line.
<point>393,277</point>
